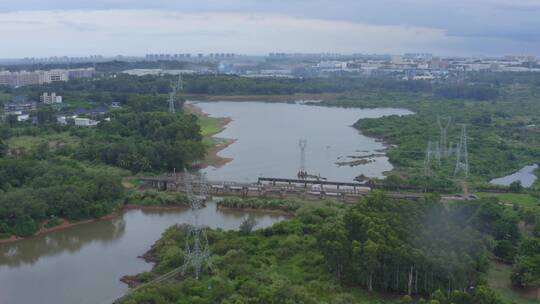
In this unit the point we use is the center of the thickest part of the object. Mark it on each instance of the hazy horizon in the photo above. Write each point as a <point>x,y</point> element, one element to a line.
<point>46,28</point>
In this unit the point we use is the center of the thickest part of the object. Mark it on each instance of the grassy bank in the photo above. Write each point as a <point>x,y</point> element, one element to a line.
<point>211,126</point>
<point>499,280</point>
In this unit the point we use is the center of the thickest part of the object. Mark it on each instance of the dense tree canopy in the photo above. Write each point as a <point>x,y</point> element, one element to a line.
<point>33,191</point>
<point>326,252</point>
<point>146,141</point>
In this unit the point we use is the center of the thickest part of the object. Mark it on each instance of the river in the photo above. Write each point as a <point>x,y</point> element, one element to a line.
<point>84,264</point>
<point>267,141</point>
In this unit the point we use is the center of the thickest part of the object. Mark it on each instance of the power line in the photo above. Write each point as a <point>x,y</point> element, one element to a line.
<point>175,89</point>
<point>196,252</point>
<point>432,154</point>
<point>302,173</point>
<point>462,161</point>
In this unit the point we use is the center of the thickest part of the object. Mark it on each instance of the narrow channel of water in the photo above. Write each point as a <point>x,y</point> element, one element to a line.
<point>84,264</point>
<point>267,136</point>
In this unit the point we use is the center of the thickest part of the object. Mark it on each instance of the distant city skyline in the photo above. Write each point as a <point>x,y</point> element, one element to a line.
<point>43,28</point>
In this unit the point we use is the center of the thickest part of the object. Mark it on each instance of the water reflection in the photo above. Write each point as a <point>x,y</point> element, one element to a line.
<point>83,264</point>
<point>29,251</point>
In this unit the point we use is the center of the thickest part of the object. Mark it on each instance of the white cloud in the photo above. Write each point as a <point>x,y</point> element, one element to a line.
<point>140,31</point>
<point>136,32</point>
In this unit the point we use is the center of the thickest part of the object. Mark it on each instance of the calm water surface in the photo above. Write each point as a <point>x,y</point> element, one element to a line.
<point>83,264</point>
<point>267,137</point>
<point>525,176</point>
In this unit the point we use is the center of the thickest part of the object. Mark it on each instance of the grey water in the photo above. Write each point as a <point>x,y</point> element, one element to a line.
<point>84,264</point>
<point>267,136</point>
<point>525,176</point>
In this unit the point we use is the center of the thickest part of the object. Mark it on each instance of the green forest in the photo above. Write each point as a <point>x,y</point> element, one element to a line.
<point>371,252</point>
<point>51,172</point>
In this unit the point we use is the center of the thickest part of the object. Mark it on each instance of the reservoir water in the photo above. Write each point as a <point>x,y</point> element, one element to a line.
<point>84,264</point>
<point>267,136</point>
<point>525,176</point>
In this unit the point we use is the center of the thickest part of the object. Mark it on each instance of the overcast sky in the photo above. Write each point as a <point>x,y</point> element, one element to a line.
<point>40,28</point>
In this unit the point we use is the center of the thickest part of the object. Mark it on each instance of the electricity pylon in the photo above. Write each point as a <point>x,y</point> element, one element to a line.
<point>444,124</point>
<point>432,154</point>
<point>302,173</point>
<point>177,87</point>
<point>462,161</point>
<point>196,252</point>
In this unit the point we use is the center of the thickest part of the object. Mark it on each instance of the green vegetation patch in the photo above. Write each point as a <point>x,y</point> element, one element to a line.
<point>32,191</point>
<point>287,205</point>
<point>154,198</point>
<point>52,141</point>
<point>525,200</point>
<point>211,125</point>
<point>499,280</point>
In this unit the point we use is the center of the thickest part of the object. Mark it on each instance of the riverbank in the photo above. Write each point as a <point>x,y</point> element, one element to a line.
<point>210,126</point>
<point>265,98</point>
<point>256,210</point>
<point>66,224</point>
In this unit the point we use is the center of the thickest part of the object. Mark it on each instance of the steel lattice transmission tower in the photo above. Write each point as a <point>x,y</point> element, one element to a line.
<point>432,154</point>
<point>196,252</point>
<point>176,87</point>
<point>444,124</point>
<point>462,162</point>
<point>302,173</point>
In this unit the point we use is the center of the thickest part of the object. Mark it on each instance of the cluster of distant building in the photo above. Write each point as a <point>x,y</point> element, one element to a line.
<point>412,66</point>
<point>168,57</point>
<point>24,109</point>
<point>24,78</point>
<point>416,66</point>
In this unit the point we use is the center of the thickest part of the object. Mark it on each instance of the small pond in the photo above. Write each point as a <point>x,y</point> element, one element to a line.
<point>525,176</point>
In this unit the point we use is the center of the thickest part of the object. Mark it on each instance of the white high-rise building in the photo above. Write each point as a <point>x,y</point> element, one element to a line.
<point>50,99</point>
<point>56,75</point>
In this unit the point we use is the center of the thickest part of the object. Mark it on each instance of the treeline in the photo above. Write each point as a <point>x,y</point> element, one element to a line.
<point>237,85</point>
<point>255,203</point>
<point>505,78</point>
<point>147,141</point>
<point>121,85</point>
<point>472,92</point>
<point>32,191</point>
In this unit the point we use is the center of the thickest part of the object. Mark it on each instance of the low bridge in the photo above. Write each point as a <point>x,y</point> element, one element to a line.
<point>267,188</point>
